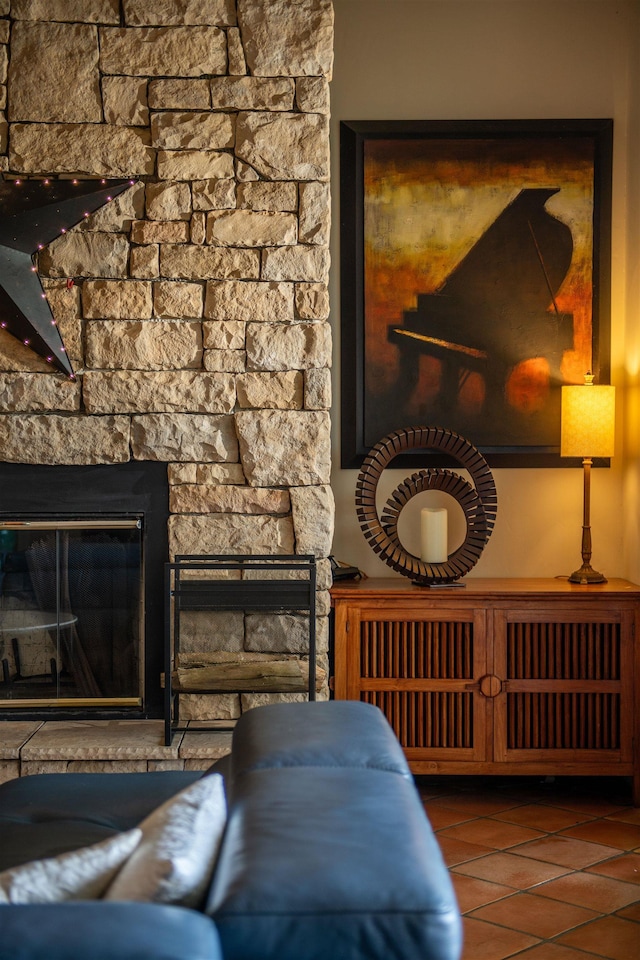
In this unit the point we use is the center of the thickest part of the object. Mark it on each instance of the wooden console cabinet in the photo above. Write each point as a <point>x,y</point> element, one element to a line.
<point>497,676</point>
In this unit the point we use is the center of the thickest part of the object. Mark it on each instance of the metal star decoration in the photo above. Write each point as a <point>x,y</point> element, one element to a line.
<point>35,212</point>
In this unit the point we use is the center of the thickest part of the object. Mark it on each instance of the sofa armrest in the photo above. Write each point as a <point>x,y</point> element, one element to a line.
<point>332,863</point>
<point>334,733</point>
<point>105,931</point>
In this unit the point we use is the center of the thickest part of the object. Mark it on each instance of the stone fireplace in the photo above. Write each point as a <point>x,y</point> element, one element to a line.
<point>194,306</point>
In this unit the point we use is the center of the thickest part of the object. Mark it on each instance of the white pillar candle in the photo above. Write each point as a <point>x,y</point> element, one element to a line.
<point>433,535</point>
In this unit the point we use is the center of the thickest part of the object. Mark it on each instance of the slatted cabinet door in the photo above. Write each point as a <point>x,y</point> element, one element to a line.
<point>567,692</point>
<point>421,668</point>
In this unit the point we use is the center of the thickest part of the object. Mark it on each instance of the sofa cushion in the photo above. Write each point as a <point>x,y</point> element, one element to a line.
<point>180,840</point>
<point>313,735</point>
<point>77,875</point>
<point>332,862</point>
<point>45,815</point>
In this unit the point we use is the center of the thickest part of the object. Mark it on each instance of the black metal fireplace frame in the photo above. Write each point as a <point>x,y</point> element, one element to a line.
<point>133,489</point>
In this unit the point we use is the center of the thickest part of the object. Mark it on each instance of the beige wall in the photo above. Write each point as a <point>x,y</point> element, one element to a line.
<point>631,294</point>
<point>511,59</point>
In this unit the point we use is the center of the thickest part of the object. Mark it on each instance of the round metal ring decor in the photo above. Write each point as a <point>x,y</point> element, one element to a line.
<point>477,499</point>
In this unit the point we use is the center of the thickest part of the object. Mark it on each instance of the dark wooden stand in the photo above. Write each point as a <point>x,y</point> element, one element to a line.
<point>497,676</point>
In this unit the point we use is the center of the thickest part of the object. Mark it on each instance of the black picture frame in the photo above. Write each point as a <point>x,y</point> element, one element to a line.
<point>524,248</point>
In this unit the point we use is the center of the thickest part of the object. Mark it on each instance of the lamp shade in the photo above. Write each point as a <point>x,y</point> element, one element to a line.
<point>587,421</point>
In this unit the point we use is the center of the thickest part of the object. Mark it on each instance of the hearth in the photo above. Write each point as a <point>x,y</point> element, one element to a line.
<point>82,551</point>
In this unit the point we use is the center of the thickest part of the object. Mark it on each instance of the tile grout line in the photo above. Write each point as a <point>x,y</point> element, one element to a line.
<point>585,818</point>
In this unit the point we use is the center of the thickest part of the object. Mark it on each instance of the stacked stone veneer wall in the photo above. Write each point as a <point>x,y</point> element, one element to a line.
<point>197,316</point>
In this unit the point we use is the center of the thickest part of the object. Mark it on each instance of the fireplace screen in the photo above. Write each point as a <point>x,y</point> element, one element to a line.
<point>71,613</point>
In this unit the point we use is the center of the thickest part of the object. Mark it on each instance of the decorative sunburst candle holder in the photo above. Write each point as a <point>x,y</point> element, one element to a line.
<point>477,499</point>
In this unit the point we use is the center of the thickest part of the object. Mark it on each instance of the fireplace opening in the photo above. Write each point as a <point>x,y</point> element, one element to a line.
<point>82,553</point>
<point>71,612</point>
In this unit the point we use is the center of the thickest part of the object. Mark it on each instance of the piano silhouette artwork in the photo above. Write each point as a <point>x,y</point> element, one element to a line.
<point>496,309</point>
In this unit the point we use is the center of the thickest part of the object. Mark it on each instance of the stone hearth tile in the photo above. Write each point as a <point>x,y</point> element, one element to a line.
<point>199,744</point>
<point>198,765</point>
<point>100,740</point>
<point>107,766</point>
<point>165,765</point>
<point>222,726</point>
<point>13,735</point>
<point>9,770</point>
<point>29,768</point>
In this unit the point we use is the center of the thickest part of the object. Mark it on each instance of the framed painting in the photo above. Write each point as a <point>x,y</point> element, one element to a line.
<point>475,279</point>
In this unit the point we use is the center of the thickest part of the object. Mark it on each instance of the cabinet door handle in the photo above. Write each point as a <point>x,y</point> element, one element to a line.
<point>490,685</point>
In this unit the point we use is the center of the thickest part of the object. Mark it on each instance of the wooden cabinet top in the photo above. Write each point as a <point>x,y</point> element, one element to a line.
<point>480,588</point>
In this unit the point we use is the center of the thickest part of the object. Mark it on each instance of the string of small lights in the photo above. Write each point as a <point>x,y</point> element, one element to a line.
<point>35,213</point>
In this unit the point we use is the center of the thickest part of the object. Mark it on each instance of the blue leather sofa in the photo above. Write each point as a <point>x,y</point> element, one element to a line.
<point>327,852</point>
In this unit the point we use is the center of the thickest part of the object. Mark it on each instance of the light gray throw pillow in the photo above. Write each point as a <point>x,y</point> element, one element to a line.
<point>77,875</point>
<point>175,858</point>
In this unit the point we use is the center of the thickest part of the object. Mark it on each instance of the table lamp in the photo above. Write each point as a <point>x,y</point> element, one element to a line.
<point>587,431</point>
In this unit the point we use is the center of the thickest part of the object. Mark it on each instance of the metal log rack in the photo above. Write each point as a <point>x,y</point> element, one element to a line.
<point>193,593</point>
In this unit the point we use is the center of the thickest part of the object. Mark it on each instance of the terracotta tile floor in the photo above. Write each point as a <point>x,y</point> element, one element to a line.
<point>544,869</point>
